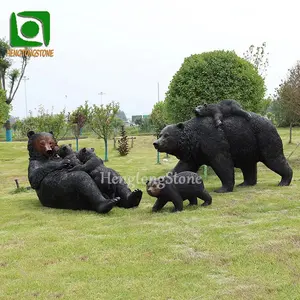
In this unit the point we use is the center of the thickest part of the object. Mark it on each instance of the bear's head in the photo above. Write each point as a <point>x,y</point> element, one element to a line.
<point>65,150</point>
<point>41,144</point>
<point>85,154</point>
<point>155,186</point>
<point>169,139</point>
<point>201,110</point>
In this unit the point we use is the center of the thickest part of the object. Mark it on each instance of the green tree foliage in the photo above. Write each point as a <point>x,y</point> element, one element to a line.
<point>10,78</point>
<point>258,57</point>
<point>78,118</point>
<point>121,115</point>
<point>44,122</point>
<point>138,121</point>
<point>4,108</point>
<point>158,116</point>
<point>52,122</point>
<point>146,125</point>
<point>101,121</point>
<point>287,98</point>
<point>123,148</point>
<point>210,77</point>
<point>116,125</point>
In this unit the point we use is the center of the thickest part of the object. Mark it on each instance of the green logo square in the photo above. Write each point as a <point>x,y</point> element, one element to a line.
<point>30,29</point>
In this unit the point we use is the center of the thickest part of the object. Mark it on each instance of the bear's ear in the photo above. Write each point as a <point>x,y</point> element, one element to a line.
<point>147,181</point>
<point>83,150</point>
<point>30,133</point>
<point>64,147</point>
<point>51,132</point>
<point>205,104</point>
<point>93,149</point>
<point>180,125</point>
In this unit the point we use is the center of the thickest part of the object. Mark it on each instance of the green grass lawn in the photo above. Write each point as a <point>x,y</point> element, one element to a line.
<point>246,245</point>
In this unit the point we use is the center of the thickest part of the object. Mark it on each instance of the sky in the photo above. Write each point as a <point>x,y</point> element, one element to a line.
<point>125,48</point>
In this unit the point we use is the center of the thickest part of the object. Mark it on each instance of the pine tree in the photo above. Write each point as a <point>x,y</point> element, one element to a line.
<point>123,143</point>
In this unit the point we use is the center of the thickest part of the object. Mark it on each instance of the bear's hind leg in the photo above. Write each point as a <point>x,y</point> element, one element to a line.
<point>205,196</point>
<point>242,113</point>
<point>129,199</point>
<point>250,175</point>
<point>134,198</point>
<point>88,190</point>
<point>106,206</point>
<point>281,167</point>
<point>193,201</point>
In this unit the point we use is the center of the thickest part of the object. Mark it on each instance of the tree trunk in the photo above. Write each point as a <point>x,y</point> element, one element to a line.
<point>291,128</point>
<point>8,132</point>
<point>76,143</point>
<point>106,151</point>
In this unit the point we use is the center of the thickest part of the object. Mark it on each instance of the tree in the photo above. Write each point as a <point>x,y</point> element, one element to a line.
<point>116,125</point>
<point>52,122</point>
<point>288,96</point>
<point>158,116</point>
<point>121,115</point>
<point>138,121</point>
<point>14,76</point>
<point>44,122</point>
<point>146,125</point>
<point>258,57</point>
<point>281,114</point>
<point>123,143</point>
<point>4,108</point>
<point>210,77</point>
<point>101,121</point>
<point>78,119</point>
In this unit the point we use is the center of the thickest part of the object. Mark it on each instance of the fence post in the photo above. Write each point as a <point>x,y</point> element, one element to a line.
<point>76,144</point>
<point>17,183</point>
<point>158,158</point>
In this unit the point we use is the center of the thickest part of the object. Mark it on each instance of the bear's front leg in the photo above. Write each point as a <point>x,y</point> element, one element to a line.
<point>38,170</point>
<point>76,168</point>
<point>218,119</point>
<point>172,193</point>
<point>223,166</point>
<point>159,204</point>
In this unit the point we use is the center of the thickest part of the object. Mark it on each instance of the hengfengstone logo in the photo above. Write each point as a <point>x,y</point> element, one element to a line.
<point>30,30</point>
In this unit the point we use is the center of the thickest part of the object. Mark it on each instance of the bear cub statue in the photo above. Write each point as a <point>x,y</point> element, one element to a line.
<point>65,151</point>
<point>89,162</point>
<point>224,108</point>
<point>177,188</point>
<point>109,181</point>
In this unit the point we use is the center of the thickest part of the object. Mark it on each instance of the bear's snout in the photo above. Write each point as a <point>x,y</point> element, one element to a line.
<point>49,152</point>
<point>155,144</point>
